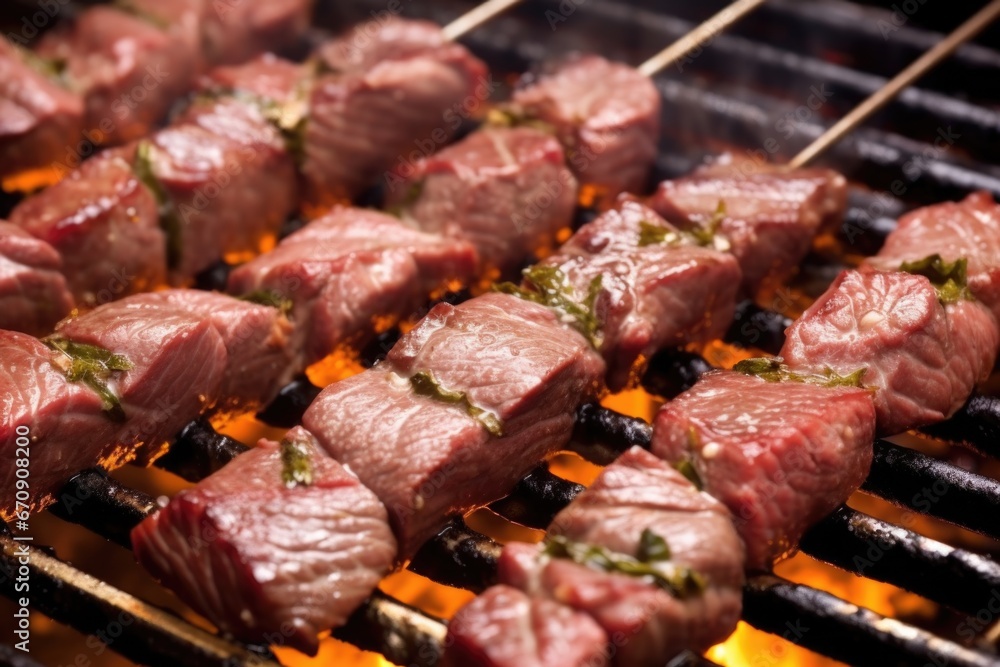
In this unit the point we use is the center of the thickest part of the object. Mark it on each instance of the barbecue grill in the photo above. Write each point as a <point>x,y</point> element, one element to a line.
<point>766,87</point>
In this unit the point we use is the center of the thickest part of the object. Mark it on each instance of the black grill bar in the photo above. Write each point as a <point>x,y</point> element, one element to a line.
<point>463,558</point>
<point>103,505</point>
<point>873,548</point>
<point>976,425</point>
<point>137,630</point>
<point>855,635</point>
<point>910,479</point>
<point>403,634</point>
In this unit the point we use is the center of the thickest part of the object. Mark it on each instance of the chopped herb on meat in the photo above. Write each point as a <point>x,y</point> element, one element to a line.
<point>547,285</point>
<point>425,384</point>
<point>296,463</point>
<point>269,298</point>
<point>774,370</point>
<point>169,219</point>
<point>681,582</point>
<point>93,366</point>
<point>950,279</point>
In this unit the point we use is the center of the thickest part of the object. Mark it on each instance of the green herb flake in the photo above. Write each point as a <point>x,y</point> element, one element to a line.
<point>707,234</point>
<point>704,234</point>
<point>93,366</point>
<point>296,463</point>
<point>686,468</point>
<point>774,370</point>
<point>269,298</point>
<point>170,221</point>
<point>547,285</point>
<point>681,582</point>
<point>950,279</point>
<point>652,547</point>
<point>510,115</point>
<point>650,234</point>
<point>413,192</point>
<point>425,384</point>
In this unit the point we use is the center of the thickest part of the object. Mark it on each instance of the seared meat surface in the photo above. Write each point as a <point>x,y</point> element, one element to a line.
<point>504,627</point>
<point>343,271</point>
<point>922,357</point>
<point>606,114</point>
<point>33,292</point>
<point>649,293</point>
<point>444,425</point>
<point>644,510</point>
<point>278,546</point>
<point>506,191</point>
<point>779,455</point>
<point>768,217</point>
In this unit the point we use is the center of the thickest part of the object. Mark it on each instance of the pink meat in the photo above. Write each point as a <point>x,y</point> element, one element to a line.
<point>922,358</point>
<point>779,455</point>
<point>267,561</point>
<point>503,627</point>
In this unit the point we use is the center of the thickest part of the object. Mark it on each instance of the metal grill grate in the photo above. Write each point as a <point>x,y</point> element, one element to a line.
<point>752,83</point>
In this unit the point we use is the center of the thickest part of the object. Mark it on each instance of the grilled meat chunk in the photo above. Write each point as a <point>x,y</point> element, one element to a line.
<point>465,405</point>
<point>126,67</point>
<point>386,107</point>
<point>105,224</point>
<point>39,119</point>
<point>642,509</point>
<point>167,369</point>
<point>649,293</point>
<point>259,357</point>
<point>229,191</point>
<point>923,358</point>
<point>503,627</point>
<point>506,191</point>
<point>969,229</point>
<point>769,217</point>
<point>278,546</point>
<point>606,114</point>
<point>779,455</point>
<point>343,271</point>
<point>33,292</point>
<point>63,422</point>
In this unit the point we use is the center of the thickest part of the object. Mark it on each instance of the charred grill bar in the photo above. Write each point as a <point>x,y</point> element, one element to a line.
<point>464,558</point>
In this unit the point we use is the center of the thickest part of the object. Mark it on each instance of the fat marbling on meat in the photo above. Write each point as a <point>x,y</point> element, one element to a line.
<point>278,546</point>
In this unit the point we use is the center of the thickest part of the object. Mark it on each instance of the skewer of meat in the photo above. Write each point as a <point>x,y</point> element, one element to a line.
<point>220,181</point>
<point>371,419</point>
<point>767,446</point>
<point>109,75</point>
<point>633,221</point>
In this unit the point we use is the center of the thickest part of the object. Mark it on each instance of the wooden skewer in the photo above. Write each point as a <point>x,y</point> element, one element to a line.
<point>904,79</point>
<point>699,35</point>
<point>475,17</point>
